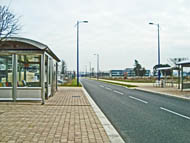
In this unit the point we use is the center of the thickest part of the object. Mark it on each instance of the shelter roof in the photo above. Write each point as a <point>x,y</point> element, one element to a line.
<point>167,68</point>
<point>186,62</point>
<point>35,45</point>
<point>164,68</point>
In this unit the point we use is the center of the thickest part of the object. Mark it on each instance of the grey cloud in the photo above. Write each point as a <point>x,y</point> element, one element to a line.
<point>117,30</point>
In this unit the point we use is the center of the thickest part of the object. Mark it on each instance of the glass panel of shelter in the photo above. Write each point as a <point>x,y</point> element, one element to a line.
<point>48,76</point>
<point>6,70</point>
<point>29,71</point>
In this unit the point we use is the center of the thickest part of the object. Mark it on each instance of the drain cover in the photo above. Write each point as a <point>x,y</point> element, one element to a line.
<point>76,96</point>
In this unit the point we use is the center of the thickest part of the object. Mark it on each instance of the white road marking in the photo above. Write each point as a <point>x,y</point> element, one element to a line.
<point>186,117</point>
<point>118,92</point>
<point>108,88</point>
<point>138,99</point>
<point>101,85</point>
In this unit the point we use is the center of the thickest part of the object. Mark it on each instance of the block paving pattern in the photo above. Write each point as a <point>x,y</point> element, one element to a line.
<point>66,117</point>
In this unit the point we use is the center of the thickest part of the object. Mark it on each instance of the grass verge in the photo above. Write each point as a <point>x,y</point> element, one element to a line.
<point>71,83</point>
<point>133,80</point>
<point>121,84</point>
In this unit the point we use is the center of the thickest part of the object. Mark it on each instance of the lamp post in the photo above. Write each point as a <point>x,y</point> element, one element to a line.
<point>90,69</point>
<point>97,65</point>
<point>78,22</point>
<point>86,71</point>
<point>158,26</point>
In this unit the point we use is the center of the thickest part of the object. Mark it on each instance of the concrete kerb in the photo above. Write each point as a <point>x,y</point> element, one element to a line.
<point>161,93</point>
<point>112,133</point>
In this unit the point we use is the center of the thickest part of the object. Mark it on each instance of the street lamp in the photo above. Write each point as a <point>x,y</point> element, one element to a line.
<point>78,22</point>
<point>86,71</point>
<point>90,69</point>
<point>97,65</point>
<point>158,26</point>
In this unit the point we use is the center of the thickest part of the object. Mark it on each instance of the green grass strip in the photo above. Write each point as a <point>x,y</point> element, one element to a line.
<point>71,83</point>
<point>133,81</point>
<point>127,85</point>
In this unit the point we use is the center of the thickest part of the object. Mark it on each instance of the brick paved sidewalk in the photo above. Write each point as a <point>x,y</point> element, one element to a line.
<point>67,117</point>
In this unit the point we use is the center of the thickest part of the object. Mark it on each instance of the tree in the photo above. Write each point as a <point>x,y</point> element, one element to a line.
<point>139,71</point>
<point>9,23</point>
<point>142,71</point>
<point>63,67</point>
<point>137,68</point>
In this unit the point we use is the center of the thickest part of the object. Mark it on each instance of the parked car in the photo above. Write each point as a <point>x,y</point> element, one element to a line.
<point>59,82</point>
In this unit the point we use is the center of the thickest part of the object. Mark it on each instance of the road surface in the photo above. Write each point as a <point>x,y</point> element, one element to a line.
<point>142,117</point>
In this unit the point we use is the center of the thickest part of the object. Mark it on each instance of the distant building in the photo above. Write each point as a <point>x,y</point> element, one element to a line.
<point>129,72</point>
<point>104,74</point>
<point>148,73</point>
<point>116,73</point>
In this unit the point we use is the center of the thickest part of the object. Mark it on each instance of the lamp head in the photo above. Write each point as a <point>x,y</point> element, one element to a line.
<point>151,23</point>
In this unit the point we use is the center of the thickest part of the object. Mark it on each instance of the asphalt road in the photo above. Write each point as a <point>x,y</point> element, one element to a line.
<point>142,117</point>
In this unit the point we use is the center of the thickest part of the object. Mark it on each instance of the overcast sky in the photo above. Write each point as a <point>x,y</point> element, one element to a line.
<point>118,30</point>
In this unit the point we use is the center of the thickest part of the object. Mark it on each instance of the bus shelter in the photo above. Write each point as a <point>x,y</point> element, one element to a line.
<point>169,82</point>
<point>28,70</point>
<point>185,84</point>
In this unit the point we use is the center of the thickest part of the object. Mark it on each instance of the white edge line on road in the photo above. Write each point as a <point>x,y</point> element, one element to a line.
<point>118,92</point>
<point>101,85</point>
<point>110,130</point>
<point>138,99</point>
<point>108,88</point>
<point>178,114</point>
